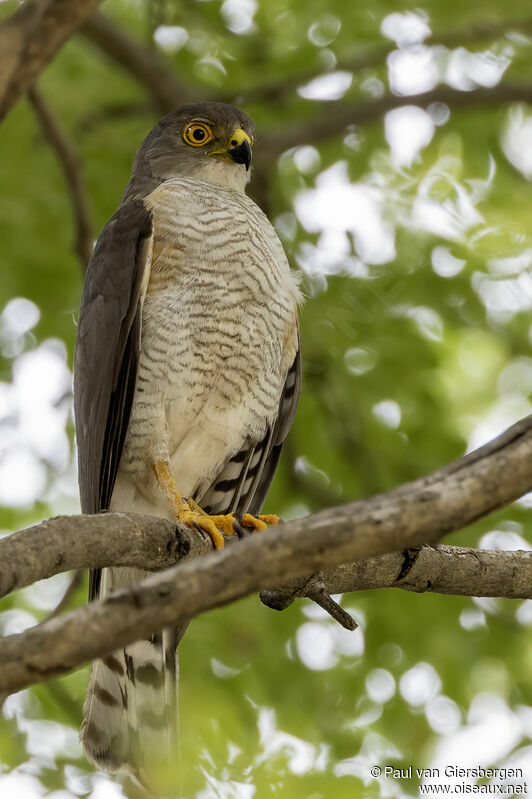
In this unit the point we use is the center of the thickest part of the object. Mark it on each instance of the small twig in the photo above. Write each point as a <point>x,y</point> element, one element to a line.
<point>70,164</point>
<point>71,589</point>
<point>312,588</point>
<point>331,607</point>
<point>145,65</point>
<point>318,593</point>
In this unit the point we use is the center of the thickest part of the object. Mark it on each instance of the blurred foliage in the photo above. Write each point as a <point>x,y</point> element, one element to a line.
<point>416,340</point>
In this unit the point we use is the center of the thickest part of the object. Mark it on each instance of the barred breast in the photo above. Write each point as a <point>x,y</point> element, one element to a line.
<point>218,337</point>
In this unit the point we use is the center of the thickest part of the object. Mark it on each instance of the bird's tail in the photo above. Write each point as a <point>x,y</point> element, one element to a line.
<point>130,714</point>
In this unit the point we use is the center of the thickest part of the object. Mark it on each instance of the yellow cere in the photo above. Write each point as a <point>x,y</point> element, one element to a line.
<point>239,137</point>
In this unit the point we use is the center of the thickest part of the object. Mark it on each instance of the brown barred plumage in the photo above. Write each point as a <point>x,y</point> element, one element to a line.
<point>187,353</point>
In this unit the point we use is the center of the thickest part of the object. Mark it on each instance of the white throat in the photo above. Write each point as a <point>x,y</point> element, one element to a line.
<point>224,173</point>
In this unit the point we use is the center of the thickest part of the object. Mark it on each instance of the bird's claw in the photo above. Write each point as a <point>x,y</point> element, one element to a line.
<point>218,526</point>
<point>258,522</point>
<point>215,526</point>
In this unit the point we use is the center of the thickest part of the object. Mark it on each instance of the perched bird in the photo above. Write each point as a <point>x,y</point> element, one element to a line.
<point>186,381</point>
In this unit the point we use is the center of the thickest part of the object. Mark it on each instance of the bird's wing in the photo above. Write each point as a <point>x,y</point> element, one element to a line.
<point>243,483</point>
<point>107,351</point>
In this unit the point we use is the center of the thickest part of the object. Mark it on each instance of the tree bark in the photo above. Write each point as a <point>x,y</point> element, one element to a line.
<point>70,164</point>
<point>29,40</point>
<point>414,514</point>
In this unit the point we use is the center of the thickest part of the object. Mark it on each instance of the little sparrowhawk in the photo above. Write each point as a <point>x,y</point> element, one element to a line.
<point>186,381</point>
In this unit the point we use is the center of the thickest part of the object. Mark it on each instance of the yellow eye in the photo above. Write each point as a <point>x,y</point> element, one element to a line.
<point>197,134</point>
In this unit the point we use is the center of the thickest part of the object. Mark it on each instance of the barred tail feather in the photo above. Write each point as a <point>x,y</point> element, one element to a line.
<point>130,714</point>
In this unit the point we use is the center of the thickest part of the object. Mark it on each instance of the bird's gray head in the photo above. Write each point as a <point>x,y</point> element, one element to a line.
<point>206,141</point>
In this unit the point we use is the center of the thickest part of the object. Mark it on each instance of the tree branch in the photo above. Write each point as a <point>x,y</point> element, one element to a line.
<point>376,57</point>
<point>29,40</point>
<point>145,66</point>
<point>68,543</point>
<point>411,515</point>
<point>332,118</point>
<point>70,164</point>
<point>457,571</point>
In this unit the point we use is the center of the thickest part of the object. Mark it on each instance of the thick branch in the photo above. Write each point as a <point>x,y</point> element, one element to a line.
<point>459,571</point>
<point>30,39</point>
<point>145,66</point>
<point>416,513</point>
<point>14,33</point>
<point>70,164</point>
<point>69,543</point>
<point>333,118</point>
<point>376,57</point>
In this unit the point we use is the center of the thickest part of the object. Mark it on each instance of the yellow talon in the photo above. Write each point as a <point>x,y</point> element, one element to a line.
<point>189,512</point>
<point>269,518</point>
<point>215,526</point>
<point>259,522</point>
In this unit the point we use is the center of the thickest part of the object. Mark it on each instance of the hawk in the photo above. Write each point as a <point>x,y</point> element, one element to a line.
<point>186,381</point>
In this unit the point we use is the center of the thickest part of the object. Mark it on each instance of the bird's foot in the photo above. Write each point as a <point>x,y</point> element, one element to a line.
<point>258,522</point>
<point>189,512</point>
<point>220,525</point>
<point>215,526</point>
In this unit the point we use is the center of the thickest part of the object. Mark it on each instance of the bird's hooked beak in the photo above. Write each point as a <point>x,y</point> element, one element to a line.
<point>239,148</point>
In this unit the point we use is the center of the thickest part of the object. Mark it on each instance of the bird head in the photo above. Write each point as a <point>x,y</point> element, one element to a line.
<point>206,141</point>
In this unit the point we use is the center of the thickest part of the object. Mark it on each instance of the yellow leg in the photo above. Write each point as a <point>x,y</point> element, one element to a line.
<point>165,478</point>
<point>190,513</point>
